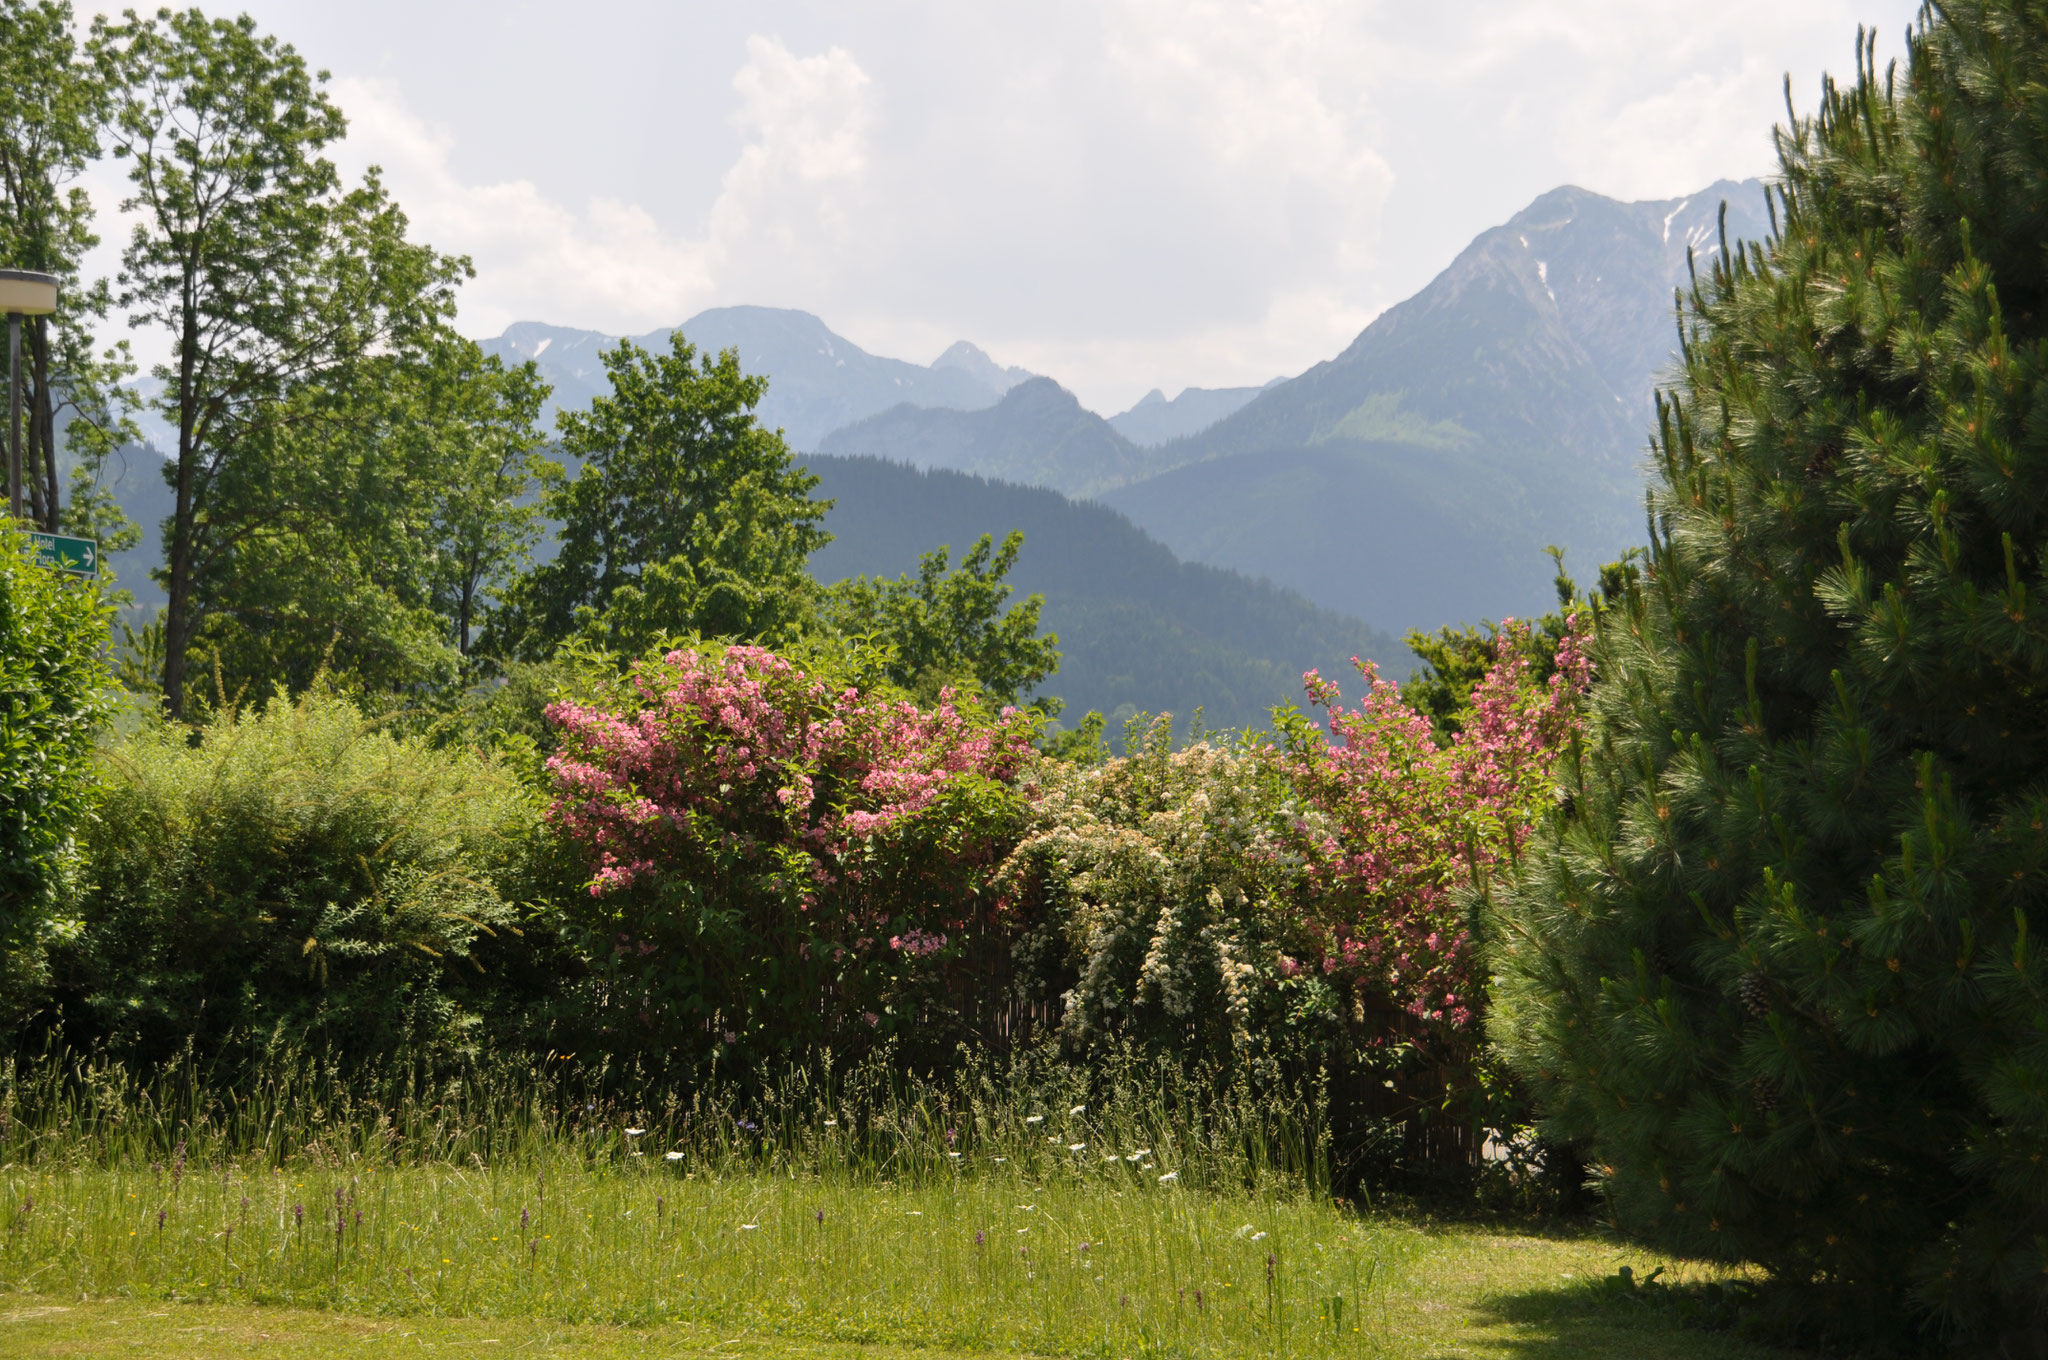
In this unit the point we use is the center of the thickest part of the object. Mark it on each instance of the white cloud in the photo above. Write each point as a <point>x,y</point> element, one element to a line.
<point>1122,193</point>
<point>784,204</point>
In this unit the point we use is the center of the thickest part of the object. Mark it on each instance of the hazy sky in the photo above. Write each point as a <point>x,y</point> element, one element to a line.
<point>1120,193</point>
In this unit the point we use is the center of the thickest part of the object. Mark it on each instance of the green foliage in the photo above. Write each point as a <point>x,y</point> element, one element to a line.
<point>54,694</point>
<point>1456,659</point>
<point>686,517</point>
<point>948,629</point>
<point>1773,966</point>
<point>53,104</point>
<point>387,505</point>
<point>267,276</point>
<point>290,877</point>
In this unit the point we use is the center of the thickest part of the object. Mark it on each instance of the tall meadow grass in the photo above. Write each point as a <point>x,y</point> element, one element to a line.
<point>994,1209</point>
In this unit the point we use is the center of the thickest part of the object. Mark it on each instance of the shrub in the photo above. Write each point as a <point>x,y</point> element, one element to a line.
<point>1297,905</point>
<point>778,860</point>
<point>54,694</point>
<point>1158,906</point>
<point>292,877</point>
<point>1774,966</point>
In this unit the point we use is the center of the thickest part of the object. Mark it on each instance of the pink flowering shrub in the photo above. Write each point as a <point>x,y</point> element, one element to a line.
<point>1394,821</point>
<point>777,859</point>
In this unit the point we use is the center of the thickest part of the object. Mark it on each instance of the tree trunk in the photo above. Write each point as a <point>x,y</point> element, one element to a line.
<point>43,417</point>
<point>178,611</point>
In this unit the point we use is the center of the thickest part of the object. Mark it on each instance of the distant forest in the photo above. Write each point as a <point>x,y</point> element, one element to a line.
<point>1140,629</point>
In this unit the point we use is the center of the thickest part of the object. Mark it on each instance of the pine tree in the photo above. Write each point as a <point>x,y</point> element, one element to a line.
<point>1770,966</point>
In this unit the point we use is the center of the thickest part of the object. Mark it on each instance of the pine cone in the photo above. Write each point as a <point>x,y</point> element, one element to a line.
<point>1765,1093</point>
<point>1754,992</point>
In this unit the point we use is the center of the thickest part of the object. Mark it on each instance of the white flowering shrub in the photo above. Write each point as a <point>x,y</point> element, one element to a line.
<point>1161,888</point>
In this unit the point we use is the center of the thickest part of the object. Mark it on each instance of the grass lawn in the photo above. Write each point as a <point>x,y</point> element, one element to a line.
<point>1458,1290</point>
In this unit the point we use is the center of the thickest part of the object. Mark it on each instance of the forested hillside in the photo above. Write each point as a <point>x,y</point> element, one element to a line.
<point>1139,630</point>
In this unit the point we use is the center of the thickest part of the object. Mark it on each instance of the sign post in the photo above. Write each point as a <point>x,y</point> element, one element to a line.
<point>72,556</point>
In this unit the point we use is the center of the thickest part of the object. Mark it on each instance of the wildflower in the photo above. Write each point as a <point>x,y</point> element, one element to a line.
<point>1002,1159</point>
<point>1169,1177</point>
<point>1258,1236</point>
<point>831,1123</point>
<point>1027,1208</point>
<point>1077,1147</point>
<point>979,1239</point>
<point>672,1156</point>
<point>298,1215</point>
<point>525,1219</point>
<point>821,1218</point>
<point>1078,1109</point>
<point>1139,1155</point>
<point>1034,1119</point>
<point>954,1155</point>
<point>748,1227</point>
<point>160,1220</point>
<point>634,1133</point>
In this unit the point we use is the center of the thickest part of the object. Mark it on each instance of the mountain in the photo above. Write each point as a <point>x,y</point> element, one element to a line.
<point>1037,434</point>
<point>1155,420</point>
<point>975,363</point>
<point>817,381</point>
<point>1140,630</point>
<point>1416,478</point>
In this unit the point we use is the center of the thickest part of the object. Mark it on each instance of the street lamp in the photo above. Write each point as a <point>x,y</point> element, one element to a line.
<point>23,293</point>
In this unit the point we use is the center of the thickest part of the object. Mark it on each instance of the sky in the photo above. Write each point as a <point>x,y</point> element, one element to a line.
<point>1122,194</point>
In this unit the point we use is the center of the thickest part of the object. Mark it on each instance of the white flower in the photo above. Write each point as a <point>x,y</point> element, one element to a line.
<point>954,1155</point>
<point>1027,1208</point>
<point>1034,1119</point>
<point>831,1123</point>
<point>1077,1147</point>
<point>919,1213</point>
<point>1169,1176</point>
<point>1111,1157</point>
<point>1257,1235</point>
<point>672,1156</point>
<point>1141,1153</point>
<point>634,1133</point>
<point>1077,1109</point>
<point>748,1227</point>
<point>1244,1231</point>
<point>1002,1159</point>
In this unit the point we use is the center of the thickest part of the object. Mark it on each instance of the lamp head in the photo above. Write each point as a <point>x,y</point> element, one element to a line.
<point>27,293</point>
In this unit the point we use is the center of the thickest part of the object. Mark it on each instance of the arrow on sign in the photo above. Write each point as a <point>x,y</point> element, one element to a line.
<point>76,556</point>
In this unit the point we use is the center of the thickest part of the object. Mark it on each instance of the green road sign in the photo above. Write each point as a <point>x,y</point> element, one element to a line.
<point>78,556</point>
